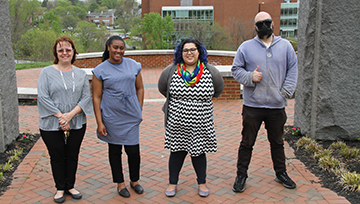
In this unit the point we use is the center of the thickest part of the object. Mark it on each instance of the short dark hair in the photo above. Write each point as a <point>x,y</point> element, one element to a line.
<point>203,57</point>
<point>64,39</point>
<point>106,55</point>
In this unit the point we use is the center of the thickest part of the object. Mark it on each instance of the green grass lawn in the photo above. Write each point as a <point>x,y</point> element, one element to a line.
<point>32,65</point>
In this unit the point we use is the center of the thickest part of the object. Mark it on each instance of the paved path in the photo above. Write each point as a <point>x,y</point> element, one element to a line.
<point>33,181</point>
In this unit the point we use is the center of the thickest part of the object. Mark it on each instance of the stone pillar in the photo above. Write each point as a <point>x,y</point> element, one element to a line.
<point>9,110</point>
<point>327,98</point>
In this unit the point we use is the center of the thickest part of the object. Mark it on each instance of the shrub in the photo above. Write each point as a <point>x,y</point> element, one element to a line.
<point>313,148</point>
<point>304,141</point>
<point>322,153</point>
<point>351,181</point>
<point>329,162</point>
<point>349,152</point>
<point>338,145</point>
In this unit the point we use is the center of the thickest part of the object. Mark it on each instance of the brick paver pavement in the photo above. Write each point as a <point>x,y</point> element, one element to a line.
<point>33,181</point>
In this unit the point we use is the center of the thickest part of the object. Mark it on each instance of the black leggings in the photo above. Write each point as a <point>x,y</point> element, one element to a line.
<point>63,157</point>
<point>133,153</point>
<point>176,162</point>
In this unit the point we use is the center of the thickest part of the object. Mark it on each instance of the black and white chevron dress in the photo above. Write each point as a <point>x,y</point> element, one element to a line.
<point>190,125</point>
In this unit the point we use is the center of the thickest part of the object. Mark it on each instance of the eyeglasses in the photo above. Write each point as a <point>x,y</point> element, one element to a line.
<point>192,50</point>
<point>260,24</point>
<point>68,50</point>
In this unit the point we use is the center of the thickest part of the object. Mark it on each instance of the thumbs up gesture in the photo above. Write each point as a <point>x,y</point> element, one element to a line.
<point>256,75</point>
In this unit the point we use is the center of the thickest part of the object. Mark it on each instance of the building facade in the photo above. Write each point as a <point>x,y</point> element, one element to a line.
<point>289,19</point>
<point>223,12</point>
<point>104,17</point>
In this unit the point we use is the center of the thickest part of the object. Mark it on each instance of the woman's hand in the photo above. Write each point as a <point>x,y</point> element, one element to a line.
<point>65,118</point>
<point>65,127</point>
<point>102,130</point>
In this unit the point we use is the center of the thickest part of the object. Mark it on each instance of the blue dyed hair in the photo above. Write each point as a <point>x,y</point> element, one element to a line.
<point>203,57</point>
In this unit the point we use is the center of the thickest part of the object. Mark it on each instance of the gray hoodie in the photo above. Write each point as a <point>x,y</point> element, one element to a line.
<point>278,65</point>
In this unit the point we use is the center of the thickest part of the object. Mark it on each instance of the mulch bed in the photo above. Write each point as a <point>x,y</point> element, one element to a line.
<point>327,179</point>
<point>18,144</point>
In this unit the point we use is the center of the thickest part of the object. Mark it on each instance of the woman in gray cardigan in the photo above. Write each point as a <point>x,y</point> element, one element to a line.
<point>189,84</point>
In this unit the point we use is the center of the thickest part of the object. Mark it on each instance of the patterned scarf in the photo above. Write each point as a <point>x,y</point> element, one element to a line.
<point>190,79</point>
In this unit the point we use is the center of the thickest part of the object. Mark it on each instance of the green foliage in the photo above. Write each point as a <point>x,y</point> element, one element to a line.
<point>69,21</point>
<point>110,4</point>
<point>157,30</point>
<point>313,148</point>
<point>1,176</point>
<point>6,167</point>
<point>329,162</point>
<point>22,12</point>
<point>322,153</point>
<point>349,153</point>
<point>338,145</point>
<point>351,181</point>
<point>304,141</point>
<point>51,21</point>
<point>63,3</point>
<point>91,38</point>
<point>93,6</point>
<point>294,43</point>
<point>127,21</point>
<point>37,44</point>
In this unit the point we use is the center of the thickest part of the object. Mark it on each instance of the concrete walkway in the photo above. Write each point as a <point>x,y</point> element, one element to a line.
<point>33,181</point>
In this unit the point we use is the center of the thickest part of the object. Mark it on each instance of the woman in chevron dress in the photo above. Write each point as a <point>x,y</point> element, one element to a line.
<point>189,84</point>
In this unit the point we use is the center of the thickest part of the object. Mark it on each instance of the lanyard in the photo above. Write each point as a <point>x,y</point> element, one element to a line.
<point>73,77</point>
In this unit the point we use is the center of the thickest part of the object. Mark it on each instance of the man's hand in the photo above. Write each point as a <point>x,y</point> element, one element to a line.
<point>256,75</point>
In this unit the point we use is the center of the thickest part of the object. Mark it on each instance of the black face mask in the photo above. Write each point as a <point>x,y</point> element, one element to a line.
<point>264,28</point>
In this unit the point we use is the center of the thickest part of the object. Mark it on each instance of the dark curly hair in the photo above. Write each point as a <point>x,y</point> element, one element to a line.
<point>64,39</point>
<point>203,57</point>
<point>106,55</point>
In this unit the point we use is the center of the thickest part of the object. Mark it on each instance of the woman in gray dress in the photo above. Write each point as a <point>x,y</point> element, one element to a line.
<point>64,100</point>
<point>189,84</point>
<point>118,96</point>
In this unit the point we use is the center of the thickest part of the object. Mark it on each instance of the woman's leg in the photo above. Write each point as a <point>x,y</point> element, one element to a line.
<point>199,164</point>
<point>115,163</point>
<point>72,155</point>
<point>176,161</point>
<point>133,152</point>
<point>54,141</point>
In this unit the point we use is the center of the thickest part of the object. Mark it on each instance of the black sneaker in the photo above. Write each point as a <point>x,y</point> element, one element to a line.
<point>239,184</point>
<point>285,180</point>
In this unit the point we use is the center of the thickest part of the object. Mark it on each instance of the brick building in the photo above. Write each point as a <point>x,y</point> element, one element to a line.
<point>225,10</point>
<point>103,17</point>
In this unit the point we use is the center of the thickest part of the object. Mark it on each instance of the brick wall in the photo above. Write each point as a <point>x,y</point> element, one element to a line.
<point>231,89</point>
<point>151,61</point>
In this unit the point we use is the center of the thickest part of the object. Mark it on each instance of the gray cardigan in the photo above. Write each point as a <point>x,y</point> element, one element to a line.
<point>165,80</point>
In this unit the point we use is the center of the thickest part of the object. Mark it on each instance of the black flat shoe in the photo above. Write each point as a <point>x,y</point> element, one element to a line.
<point>124,193</point>
<point>137,188</point>
<point>60,200</point>
<point>75,196</point>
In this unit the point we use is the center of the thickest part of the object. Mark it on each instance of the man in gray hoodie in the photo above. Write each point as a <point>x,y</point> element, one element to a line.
<point>267,67</point>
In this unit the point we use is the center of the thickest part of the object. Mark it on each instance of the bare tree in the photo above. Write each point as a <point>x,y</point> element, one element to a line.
<point>240,30</point>
<point>211,35</point>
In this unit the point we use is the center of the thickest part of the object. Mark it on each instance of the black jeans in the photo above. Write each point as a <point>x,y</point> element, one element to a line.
<point>274,120</point>
<point>133,153</point>
<point>63,157</point>
<point>176,161</point>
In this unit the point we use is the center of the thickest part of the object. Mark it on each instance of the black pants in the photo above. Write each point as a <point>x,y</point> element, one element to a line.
<point>176,162</point>
<point>133,153</point>
<point>274,120</point>
<point>63,157</point>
